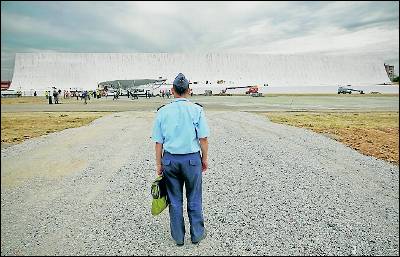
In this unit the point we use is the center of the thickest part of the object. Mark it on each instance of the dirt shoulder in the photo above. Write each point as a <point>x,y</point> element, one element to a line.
<point>17,127</point>
<point>374,134</point>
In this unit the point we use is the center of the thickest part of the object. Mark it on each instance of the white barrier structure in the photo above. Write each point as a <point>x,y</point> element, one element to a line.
<point>41,71</point>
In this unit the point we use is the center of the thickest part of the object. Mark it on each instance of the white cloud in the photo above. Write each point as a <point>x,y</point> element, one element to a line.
<point>25,25</point>
<point>329,40</point>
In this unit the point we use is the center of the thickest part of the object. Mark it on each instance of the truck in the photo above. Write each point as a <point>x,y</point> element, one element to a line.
<point>253,91</point>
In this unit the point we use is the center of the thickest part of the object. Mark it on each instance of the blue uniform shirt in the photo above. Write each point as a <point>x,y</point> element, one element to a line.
<point>179,125</point>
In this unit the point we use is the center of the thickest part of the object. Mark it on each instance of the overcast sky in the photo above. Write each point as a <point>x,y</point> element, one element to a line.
<point>236,27</point>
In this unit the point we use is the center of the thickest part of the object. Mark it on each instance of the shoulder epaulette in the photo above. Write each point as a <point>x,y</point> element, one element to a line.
<point>160,107</point>
<point>199,104</point>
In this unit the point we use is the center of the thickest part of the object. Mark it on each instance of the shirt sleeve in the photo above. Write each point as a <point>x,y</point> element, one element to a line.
<point>157,133</point>
<point>202,127</point>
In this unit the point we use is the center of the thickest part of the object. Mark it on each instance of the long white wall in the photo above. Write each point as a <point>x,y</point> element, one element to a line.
<point>85,70</point>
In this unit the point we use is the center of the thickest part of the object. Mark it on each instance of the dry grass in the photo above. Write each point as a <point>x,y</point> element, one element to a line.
<point>373,134</point>
<point>38,100</point>
<point>17,127</point>
<point>24,100</point>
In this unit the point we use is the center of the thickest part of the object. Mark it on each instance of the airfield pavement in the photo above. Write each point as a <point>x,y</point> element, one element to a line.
<point>270,189</point>
<point>332,102</point>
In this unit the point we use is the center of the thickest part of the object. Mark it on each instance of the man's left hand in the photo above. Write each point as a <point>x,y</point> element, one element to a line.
<point>159,170</point>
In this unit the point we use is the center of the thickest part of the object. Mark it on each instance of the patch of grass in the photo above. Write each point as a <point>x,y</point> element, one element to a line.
<point>17,127</point>
<point>374,134</point>
<point>24,100</point>
<point>40,100</point>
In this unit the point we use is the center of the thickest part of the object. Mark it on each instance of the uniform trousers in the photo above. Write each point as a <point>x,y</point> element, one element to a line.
<point>179,170</point>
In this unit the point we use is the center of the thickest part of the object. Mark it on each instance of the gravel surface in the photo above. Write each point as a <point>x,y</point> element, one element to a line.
<point>270,190</point>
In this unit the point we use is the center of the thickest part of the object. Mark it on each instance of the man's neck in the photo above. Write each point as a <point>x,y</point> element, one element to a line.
<point>180,96</point>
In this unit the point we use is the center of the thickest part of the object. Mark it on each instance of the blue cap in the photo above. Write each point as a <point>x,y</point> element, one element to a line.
<point>181,82</point>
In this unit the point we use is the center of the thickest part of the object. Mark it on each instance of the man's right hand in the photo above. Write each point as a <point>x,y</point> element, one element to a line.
<point>204,165</point>
<point>204,153</point>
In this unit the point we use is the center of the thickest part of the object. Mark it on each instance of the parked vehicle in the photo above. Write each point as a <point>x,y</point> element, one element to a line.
<point>11,93</point>
<point>347,90</point>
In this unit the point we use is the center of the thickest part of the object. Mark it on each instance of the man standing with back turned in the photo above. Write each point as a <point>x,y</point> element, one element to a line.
<point>180,131</point>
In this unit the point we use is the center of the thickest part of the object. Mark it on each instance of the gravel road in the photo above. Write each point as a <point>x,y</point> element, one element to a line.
<point>270,190</point>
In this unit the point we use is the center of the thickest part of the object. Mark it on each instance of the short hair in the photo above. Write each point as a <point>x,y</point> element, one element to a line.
<point>180,90</point>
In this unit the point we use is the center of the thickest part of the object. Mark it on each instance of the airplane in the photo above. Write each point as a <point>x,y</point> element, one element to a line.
<point>138,85</point>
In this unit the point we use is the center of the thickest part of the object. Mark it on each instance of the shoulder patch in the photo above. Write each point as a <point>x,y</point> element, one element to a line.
<point>160,107</point>
<point>199,104</point>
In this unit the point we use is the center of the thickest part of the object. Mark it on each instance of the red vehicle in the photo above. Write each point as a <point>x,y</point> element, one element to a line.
<point>252,90</point>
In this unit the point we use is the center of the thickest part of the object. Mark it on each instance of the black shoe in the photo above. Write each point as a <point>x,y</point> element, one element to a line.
<point>201,238</point>
<point>180,244</point>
